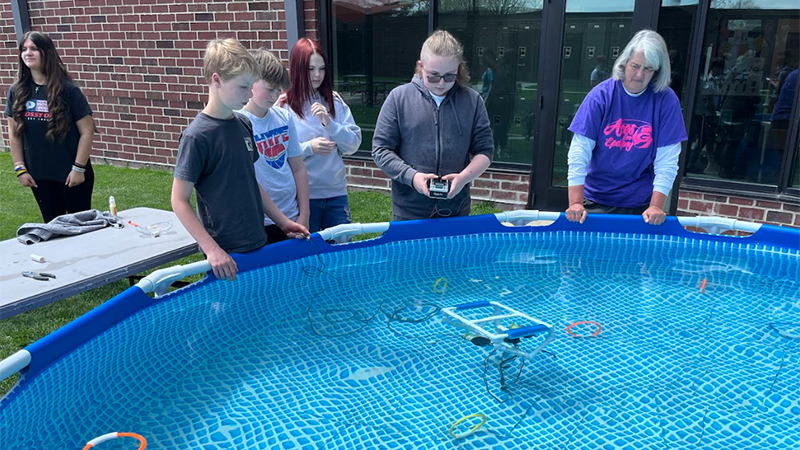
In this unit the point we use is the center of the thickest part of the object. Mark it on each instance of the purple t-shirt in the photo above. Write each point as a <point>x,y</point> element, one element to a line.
<point>628,130</point>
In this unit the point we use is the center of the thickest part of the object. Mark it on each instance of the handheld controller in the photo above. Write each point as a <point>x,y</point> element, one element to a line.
<point>438,187</point>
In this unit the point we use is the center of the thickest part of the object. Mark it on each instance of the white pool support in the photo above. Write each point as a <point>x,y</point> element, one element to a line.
<point>718,225</point>
<point>14,363</point>
<point>524,217</point>
<point>346,231</point>
<point>711,224</point>
<point>159,281</point>
<point>500,314</point>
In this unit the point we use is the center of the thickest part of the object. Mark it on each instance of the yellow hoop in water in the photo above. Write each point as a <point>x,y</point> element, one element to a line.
<point>472,430</point>
<point>443,288</point>
<point>109,436</point>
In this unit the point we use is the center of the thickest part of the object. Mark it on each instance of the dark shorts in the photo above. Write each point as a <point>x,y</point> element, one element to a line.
<point>274,234</point>
<point>597,208</point>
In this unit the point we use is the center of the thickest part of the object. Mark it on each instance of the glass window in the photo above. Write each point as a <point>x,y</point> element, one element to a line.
<point>796,172</point>
<point>375,47</point>
<point>501,45</point>
<point>745,92</point>
<point>595,33</point>
<point>676,25</point>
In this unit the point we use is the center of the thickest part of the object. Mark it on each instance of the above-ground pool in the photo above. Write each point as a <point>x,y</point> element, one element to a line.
<point>663,339</point>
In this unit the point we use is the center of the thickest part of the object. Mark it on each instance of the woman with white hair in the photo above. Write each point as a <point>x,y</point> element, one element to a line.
<point>628,132</point>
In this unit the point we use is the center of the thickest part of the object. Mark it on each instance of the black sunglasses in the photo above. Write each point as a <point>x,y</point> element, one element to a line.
<point>448,78</point>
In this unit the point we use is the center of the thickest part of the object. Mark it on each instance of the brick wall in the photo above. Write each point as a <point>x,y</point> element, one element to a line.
<point>8,60</point>
<point>139,62</point>
<point>509,191</point>
<point>693,203</point>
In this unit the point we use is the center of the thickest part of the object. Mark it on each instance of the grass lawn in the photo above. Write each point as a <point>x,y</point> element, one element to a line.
<point>132,188</point>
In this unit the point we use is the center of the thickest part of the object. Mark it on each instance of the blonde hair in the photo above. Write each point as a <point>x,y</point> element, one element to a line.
<point>441,43</point>
<point>272,69</point>
<point>655,52</point>
<point>228,58</point>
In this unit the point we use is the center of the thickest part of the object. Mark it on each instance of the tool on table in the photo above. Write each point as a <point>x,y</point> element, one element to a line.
<point>153,230</point>
<point>41,276</point>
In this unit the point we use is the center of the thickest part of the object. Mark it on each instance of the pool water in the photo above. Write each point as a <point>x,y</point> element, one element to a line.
<point>347,350</point>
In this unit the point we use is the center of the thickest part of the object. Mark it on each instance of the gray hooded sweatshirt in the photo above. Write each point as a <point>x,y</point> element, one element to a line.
<point>414,135</point>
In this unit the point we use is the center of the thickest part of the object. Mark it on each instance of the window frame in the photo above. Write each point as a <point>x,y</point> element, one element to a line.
<point>646,14</point>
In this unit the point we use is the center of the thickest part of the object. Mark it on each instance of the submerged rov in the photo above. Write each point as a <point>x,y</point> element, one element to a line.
<point>498,329</point>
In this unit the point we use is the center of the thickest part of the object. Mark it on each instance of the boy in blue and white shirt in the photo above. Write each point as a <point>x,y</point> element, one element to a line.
<point>279,169</point>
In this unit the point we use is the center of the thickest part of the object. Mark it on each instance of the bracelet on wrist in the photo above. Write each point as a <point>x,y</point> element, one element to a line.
<point>78,169</point>
<point>20,172</point>
<point>77,164</point>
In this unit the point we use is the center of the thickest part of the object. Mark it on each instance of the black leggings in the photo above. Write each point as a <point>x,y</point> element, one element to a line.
<point>56,198</point>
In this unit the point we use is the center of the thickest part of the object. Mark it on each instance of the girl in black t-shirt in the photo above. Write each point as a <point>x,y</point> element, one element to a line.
<point>51,130</point>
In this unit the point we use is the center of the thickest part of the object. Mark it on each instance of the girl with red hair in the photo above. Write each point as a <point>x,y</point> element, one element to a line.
<point>326,131</point>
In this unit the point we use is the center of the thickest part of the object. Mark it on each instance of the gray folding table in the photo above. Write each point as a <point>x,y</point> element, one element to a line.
<point>89,260</point>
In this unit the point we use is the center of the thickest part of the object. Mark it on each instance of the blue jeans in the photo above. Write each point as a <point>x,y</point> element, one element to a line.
<point>328,212</point>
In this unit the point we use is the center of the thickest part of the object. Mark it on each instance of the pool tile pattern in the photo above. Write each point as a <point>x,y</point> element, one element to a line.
<point>328,353</point>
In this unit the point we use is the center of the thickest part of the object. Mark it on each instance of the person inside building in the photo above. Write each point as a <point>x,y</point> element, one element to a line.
<point>705,120</point>
<point>599,73</point>
<point>623,158</point>
<point>779,127</point>
<point>51,130</point>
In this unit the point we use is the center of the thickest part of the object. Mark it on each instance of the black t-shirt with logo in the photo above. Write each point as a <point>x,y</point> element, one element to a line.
<point>217,155</point>
<point>44,158</point>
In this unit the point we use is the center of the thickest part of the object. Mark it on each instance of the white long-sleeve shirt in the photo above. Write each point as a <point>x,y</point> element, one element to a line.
<point>327,174</point>
<point>665,166</point>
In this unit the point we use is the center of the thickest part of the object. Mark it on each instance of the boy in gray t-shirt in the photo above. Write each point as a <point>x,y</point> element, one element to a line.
<point>215,157</point>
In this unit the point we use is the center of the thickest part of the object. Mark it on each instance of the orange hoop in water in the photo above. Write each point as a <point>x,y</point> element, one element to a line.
<point>109,436</point>
<point>584,322</point>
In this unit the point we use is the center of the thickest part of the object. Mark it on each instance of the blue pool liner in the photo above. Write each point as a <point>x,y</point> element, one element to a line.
<point>56,345</point>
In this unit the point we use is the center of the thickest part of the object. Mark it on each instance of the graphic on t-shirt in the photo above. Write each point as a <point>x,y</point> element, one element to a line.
<point>272,146</point>
<point>36,110</point>
<point>626,134</point>
<point>249,145</point>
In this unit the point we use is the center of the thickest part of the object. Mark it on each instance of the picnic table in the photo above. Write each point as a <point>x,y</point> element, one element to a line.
<point>87,261</point>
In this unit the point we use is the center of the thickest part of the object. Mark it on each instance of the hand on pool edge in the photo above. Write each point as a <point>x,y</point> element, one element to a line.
<point>223,266</point>
<point>295,230</point>
<point>576,213</point>
<point>654,215</point>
